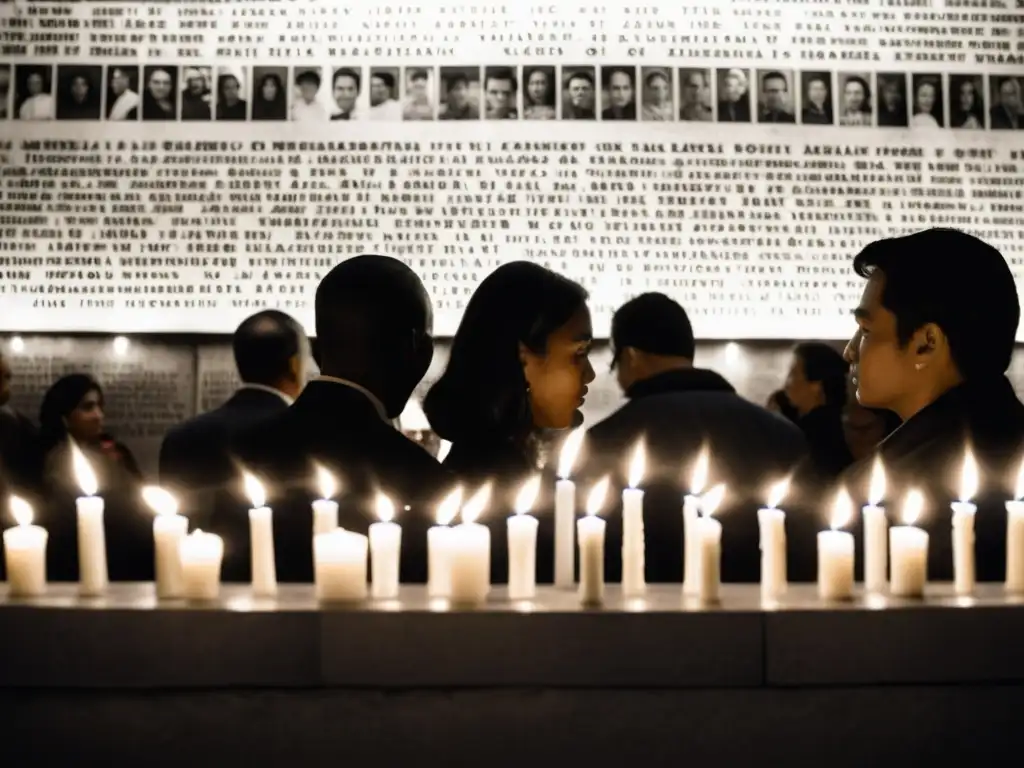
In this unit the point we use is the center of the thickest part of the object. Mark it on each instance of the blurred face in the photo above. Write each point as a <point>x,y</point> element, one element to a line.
<point>85,422</point>
<point>733,88</point>
<point>160,85</point>
<point>775,93</point>
<point>620,89</point>
<point>458,95</point>
<point>196,85</point>
<point>1009,95</point>
<point>345,92</point>
<point>803,394</point>
<point>418,88</point>
<point>693,84</point>
<point>5,381</point>
<point>307,90</point>
<point>925,97</point>
<point>817,92</point>
<point>581,93</point>
<point>853,96</point>
<point>967,96</point>
<point>34,84</point>
<point>863,430</point>
<point>537,86</point>
<point>891,95</point>
<point>119,82</point>
<point>79,89</point>
<point>558,378</point>
<point>499,96</point>
<point>268,90</point>
<point>229,90</point>
<point>379,91</point>
<point>658,91</point>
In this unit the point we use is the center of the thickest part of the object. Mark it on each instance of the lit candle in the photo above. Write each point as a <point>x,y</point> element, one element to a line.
<point>169,528</point>
<point>385,551</point>
<point>908,550</point>
<point>1015,537</point>
<point>325,509</point>
<point>634,580</point>
<point>261,539</point>
<point>439,546</point>
<point>201,557</point>
<point>709,546</point>
<point>565,511</point>
<point>772,524</point>
<point>471,553</point>
<point>876,532</point>
<point>92,541</point>
<point>443,449</point>
<point>590,529</point>
<point>25,552</point>
<point>963,528</point>
<point>691,513</point>
<point>835,552</point>
<point>339,566</point>
<point>522,543</point>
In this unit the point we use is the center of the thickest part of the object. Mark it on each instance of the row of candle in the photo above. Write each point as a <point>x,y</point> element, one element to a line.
<point>459,556</point>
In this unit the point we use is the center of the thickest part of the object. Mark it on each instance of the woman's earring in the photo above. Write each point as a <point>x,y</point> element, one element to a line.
<point>919,366</point>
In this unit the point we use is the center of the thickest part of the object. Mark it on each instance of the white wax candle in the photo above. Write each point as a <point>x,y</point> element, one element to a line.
<point>261,550</point>
<point>565,516</point>
<point>691,547</point>
<point>522,557</point>
<point>92,547</point>
<point>470,564</point>
<point>325,516</point>
<point>908,552</point>
<point>835,565</point>
<point>963,547</point>
<point>774,576</point>
<point>201,557</point>
<point>439,561</point>
<point>339,565</point>
<point>591,531</point>
<point>1015,547</point>
<point>709,558</point>
<point>876,548</point>
<point>168,532</point>
<point>634,581</point>
<point>385,559</point>
<point>25,553</point>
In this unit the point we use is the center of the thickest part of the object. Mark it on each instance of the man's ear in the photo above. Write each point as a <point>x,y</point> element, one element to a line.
<point>927,340</point>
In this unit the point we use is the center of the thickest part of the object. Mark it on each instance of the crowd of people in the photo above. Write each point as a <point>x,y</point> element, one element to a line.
<point>933,336</point>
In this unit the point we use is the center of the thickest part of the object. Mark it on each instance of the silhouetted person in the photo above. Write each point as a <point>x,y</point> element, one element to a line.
<point>518,367</point>
<point>678,409</point>
<point>20,457</point>
<point>271,351</point>
<point>936,329</point>
<point>778,403</point>
<point>374,344</point>
<point>816,386</point>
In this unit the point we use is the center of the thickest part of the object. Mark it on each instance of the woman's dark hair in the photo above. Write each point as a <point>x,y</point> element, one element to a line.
<point>866,104</point>
<point>61,399</point>
<point>269,110</point>
<point>825,364</point>
<point>549,91</point>
<point>482,393</point>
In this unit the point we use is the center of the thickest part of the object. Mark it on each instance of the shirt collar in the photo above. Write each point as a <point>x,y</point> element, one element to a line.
<point>265,388</point>
<point>377,404</point>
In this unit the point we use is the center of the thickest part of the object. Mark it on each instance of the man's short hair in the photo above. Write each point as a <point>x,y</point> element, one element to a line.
<point>952,279</point>
<point>653,323</point>
<point>308,76</point>
<point>500,73</point>
<point>264,345</point>
<point>453,80</point>
<point>774,75</point>
<point>418,74</point>
<point>609,72</point>
<point>579,74</point>
<point>348,72</point>
<point>385,77</point>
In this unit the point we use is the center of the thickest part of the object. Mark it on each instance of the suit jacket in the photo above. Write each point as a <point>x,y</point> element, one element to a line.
<point>734,111</point>
<point>340,428</point>
<point>195,461</point>
<point>21,458</point>
<point>750,448</point>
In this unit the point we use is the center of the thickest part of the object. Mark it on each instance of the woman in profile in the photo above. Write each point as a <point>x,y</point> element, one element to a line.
<point>269,100</point>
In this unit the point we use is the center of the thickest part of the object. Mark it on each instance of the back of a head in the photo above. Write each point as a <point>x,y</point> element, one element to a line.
<point>957,281</point>
<point>824,363</point>
<point>655,324</point>
<point>265,345</point>
<point>481,393</point>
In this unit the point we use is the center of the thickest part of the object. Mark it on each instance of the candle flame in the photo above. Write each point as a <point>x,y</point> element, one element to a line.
<point>21,510</point>
<point>449,508</point>
<point>84,475</point>
<point>637,465</point>
<point>473,508</point>
<point>778,493</point>
<point>527,495</point>
<point>842,510</point>
<point>968,477</point>
<point>443,450</point>
<point>699,475</point>
<point>385,508</point>
<point>712,500</point>
<point>328,485</point>
<point>255,491</point>
<point>913,505</point>
<point>596,497</point>
<point>570,450</point>
<point>160,500</point>
<point>876,490</point>
<point>1019,492</point>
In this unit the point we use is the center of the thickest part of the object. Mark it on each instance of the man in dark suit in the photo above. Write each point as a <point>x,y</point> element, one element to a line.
<point>374,344</point>
<point>271,350</point>
<point>678,410</point>
<point>21,460</point>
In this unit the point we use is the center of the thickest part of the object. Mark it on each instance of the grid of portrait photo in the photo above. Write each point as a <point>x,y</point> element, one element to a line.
<point>618,93</point>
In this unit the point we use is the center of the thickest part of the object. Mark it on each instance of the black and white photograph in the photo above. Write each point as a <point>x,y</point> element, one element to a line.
<point>122,93</point>
<point>967,102</point>
<point>1007,112</point>
<point>230,103</point>
<point>656,97</point>
<point>855,99</point>
<point>696,97</point>
<point>385,103</point>
<point>196,93</point>
<point>310,96</point>
<point>579,94</point>
<point>79,92</point>
<point>346,88</point>
<point>817,95</point>
<point>33,92</point>
<point>892,99</point>
<point>618,93</point>
<point>775,99</point>
<point>269,93</point>
<point>5,91</point>
<point>734,95</point>
<point>540,93</point>
<point>501,93</point>
<point>460,93</point>
<point>160,92</point>
<point>418,94</point>
<point>927,110</point>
